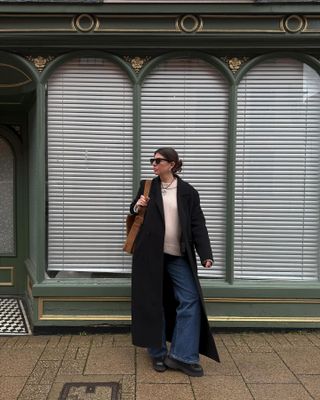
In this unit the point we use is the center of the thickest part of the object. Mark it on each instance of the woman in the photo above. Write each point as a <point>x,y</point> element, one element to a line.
<point>167,302</point>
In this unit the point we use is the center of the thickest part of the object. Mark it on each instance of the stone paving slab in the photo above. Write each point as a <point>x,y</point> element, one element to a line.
<point>312,384</point>
<point>256,343</point>
<point>43,373</point>
<point>116,360</point>
<point>298,339</point>
<point>278,340</point>
<point>80,341</point>
<point>72,367</point>
<point>235,343</point>
<point>277,391</point>
<point>226,367</point>
<point>263,368</point>
<point>220,388</point>
<point>18,362</point>
<point>122,341</point>
<point>35,392</point>
<point>53,353</point>
<point>11,386</point>
<point>164,391</point>
<point>314,339</point>
<point>254,366</point>
<point>302,360</point>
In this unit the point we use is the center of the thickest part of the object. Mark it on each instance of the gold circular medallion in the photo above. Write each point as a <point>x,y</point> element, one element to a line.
<point>189,23</point>
<point>294,23</point>
<point>84,22</point>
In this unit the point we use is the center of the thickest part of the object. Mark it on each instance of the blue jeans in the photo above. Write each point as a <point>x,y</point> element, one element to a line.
<point>186,334</point>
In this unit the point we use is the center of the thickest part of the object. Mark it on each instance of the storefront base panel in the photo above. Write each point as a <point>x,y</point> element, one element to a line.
<point>240,305</point>
<point>222,312</point>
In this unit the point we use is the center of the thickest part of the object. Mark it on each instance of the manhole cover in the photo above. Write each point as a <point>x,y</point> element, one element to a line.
<point>90,391</point>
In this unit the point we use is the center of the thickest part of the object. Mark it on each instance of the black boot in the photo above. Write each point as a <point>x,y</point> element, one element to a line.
<point>188,369</point>
<point>158,364</point>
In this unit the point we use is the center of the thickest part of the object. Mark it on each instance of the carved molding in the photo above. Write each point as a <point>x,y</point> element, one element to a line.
<point>85,23</point>
<point>137,62</point>
<point>189,23</point>
<point>40,62</point>
<point>294,23</point>
<point>161,23</point>
<point>235,63</point>
<point>21,78</point>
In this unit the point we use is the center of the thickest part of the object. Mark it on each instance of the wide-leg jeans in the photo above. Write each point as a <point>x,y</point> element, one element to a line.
<point>186,334</point>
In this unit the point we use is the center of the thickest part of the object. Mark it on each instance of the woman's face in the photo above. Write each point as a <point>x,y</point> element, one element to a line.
<point>164,167</point>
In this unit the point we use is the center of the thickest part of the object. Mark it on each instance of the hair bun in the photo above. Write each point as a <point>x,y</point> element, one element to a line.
<point>177,167</point>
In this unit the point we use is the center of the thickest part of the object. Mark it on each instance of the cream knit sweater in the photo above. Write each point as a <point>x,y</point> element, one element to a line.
<point>172,223</point>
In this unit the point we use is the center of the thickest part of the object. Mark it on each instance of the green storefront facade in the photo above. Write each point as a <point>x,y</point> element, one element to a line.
<point>89,88</point>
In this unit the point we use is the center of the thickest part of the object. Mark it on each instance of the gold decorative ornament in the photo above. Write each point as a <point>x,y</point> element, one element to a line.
<point>189,23</point>
<point>40,62</point>
<point>137,62</point>
<point>85,23</point>
<point>235,63</point>
<point>294,23</point>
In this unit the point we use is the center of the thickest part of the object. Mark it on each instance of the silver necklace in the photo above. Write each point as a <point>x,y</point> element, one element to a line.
<point>165,188</point>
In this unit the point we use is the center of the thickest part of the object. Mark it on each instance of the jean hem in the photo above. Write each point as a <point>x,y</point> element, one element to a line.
<point>158,355</point>
<point>183,360</point>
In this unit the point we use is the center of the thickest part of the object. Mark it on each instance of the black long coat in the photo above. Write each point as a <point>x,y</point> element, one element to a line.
<point>151,287</point>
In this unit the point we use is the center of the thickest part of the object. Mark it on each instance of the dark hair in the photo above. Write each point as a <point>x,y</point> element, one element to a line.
<point>170,154</point>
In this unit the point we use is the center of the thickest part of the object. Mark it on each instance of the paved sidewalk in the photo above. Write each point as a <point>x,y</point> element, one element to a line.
<point>260,366</point>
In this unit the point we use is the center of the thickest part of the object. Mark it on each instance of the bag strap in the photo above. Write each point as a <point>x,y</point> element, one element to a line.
<point>138,220</point>
<point>147,186</point>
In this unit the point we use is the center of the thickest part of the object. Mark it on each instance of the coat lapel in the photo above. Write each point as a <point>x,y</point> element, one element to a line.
<point>183,198</point>
<point>158,196</point>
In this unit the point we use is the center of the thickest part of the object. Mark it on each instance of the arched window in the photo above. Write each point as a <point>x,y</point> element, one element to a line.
<point>184,104</point>
<point>7,183</point>
<point>277,191</point>
<point>89,165</point>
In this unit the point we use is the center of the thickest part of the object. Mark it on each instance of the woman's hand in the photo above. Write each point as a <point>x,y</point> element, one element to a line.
<point>207,263</point>
<point>143,201</point>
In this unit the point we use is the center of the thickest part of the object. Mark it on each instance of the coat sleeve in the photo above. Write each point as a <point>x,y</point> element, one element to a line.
<point>199,230</point>
<point>140,192</point>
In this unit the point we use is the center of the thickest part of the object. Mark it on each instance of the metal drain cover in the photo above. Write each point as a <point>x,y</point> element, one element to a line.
<point>90,391</point>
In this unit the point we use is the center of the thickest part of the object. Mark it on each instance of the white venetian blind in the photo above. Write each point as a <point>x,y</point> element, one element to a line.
<point>277,197</point>
<point>184,104</point>
<point>89,166</point>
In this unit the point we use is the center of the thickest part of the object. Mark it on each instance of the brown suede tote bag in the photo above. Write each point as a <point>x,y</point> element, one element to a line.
<point>134,222</point>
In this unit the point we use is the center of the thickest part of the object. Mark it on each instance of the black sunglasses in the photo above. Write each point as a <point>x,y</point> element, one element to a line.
<point>157,160</point>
